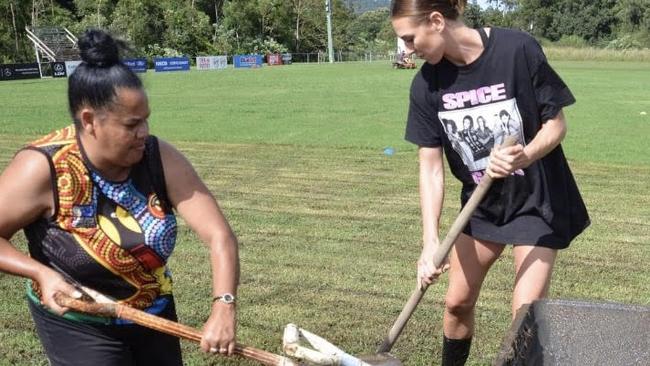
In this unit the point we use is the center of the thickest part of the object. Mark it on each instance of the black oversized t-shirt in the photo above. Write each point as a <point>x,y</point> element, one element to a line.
<point>509,90</point>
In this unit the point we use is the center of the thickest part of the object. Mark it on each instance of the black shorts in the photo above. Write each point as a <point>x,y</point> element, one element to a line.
<point>68,342</point>
<point>522,230</point>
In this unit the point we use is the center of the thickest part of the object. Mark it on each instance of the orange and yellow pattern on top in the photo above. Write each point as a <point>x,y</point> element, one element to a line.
<point>59,137</point>
<point>75,189</point>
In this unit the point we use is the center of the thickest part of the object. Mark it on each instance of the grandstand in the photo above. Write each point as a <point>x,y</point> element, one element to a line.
<point>53,44</point>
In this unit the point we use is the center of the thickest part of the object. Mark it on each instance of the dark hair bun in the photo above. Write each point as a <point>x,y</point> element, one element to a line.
<point>99,49</point>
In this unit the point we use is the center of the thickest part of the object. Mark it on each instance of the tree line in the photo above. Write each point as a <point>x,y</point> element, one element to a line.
<point>210,27</point>
<point>618,24</point>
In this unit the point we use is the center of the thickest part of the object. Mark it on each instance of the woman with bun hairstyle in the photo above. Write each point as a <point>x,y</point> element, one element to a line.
<point>96,201</point>
<point>534,203</point>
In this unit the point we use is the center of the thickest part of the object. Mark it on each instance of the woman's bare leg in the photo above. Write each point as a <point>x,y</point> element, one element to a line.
<point>533,268</point>
<point>469,262</point>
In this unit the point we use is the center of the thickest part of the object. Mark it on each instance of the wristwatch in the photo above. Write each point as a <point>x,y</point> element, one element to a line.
<point>226,298</point>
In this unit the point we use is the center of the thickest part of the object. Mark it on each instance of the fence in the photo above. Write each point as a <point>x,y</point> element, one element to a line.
<point>340,56</point>
<point>61,69</point>
<point>322,57</point>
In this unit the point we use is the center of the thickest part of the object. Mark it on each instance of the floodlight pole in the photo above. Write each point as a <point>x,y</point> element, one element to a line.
<point>330,45</point>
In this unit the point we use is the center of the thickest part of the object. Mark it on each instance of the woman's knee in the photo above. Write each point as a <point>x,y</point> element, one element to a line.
<point>459,306</point>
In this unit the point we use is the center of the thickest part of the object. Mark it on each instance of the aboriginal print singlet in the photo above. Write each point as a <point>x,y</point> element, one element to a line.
<point>114,237</point>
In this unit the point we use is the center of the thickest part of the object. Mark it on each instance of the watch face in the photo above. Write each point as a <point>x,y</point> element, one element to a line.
<point>228,298</point>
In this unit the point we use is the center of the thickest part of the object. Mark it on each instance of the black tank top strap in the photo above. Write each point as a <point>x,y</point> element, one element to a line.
<point>156,173</point>
<point>484,36</point>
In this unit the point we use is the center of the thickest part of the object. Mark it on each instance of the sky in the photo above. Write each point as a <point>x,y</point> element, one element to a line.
<point>483,3</point>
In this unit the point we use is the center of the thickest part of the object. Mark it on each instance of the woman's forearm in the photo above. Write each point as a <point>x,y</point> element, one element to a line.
<point>431,192</point>
<point>224,259</point>
<point>17,263</point>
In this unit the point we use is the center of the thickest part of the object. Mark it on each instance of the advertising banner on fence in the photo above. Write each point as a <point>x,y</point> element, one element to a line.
<point>248,61</point>
<point>58,69</point>
<point>211,62</point>
<point>71,66</point>
<point>171,64</point>
<point>274,59</point>
<point>286,58</point>
<point>136,64</point>
<point>20,71</point>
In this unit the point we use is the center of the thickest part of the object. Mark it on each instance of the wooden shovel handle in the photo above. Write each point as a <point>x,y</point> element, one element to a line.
<point>440,255</point>
<point>166,326</point>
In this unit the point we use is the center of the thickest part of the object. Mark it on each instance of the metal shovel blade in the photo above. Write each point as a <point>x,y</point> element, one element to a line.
<point>381,359</point>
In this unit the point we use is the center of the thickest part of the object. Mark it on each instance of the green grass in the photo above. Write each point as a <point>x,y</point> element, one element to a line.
<point>329,227</point>
<point>555,52</point>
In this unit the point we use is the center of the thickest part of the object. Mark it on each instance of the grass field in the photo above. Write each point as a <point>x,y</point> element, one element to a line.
<point>329,226</point>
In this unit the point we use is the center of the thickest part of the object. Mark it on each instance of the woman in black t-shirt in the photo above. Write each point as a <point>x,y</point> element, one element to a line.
<point>470,135</point>
<point>507,126</point>
<point>484,133</point>
<point>534,204</point>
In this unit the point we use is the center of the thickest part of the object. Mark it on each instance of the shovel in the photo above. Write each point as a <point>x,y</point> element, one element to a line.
<point>443,250</point>
<point>105,306</point>
<point>324,353</point>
